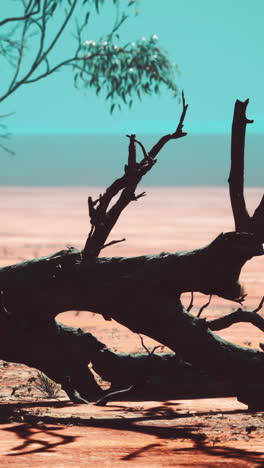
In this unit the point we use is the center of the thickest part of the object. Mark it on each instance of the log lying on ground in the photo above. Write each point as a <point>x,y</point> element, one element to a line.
<point>142,293</point>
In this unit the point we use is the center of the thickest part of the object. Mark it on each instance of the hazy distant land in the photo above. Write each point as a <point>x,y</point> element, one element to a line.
<point>82,160</point>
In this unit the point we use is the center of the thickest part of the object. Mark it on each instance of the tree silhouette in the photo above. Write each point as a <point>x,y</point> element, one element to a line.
<point>121,73</point>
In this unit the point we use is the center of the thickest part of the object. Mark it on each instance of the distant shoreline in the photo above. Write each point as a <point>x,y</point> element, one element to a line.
<point>87,160</point>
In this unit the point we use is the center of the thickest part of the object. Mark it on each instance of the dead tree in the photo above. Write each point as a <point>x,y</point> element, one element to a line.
<point>143,293</point>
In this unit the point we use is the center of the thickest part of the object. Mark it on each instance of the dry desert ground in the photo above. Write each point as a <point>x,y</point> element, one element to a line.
<point>38,432</point>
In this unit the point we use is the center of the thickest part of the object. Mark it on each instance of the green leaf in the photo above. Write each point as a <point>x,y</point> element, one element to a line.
<point>87,18</point>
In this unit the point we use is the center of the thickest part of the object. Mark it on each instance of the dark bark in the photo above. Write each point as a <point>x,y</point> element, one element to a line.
<point>239,315</point>
<point>104,218</point>
<point>142,293</point>
<point>243,221</point>
<point>39,289</point>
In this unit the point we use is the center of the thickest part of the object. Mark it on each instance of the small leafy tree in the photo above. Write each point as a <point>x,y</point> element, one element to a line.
<point>31,34</point>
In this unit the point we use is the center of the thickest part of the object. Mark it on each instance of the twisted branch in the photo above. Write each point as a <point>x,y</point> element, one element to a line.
<point>102,217</point>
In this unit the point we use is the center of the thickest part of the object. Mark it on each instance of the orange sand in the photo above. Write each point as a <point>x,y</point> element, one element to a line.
<point>39,221</point>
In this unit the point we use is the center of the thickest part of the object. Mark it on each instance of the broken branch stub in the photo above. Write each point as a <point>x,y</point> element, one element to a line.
<point>243,221</point>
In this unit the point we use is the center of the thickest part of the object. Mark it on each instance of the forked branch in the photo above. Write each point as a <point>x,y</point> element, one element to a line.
<point>102,216</point>
<point>243,221</point>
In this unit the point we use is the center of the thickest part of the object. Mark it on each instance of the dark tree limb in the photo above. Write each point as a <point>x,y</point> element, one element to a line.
<point>171,136</point>
<point>190,306</point>
<point>104,218</point>
<point>27,16</point>
<point>113,243</point>
<point>238,316</point>
<point>243,221</point>
<point>141,293</point>
<point>204,306</point>
<point>236,177</point>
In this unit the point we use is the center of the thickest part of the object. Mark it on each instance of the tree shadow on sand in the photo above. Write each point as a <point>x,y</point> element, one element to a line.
<point>32,435</point>
<point>47,433</point>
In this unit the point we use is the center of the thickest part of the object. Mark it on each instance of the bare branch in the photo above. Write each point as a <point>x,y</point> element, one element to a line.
<point>22,18</point>
<point>259,306</point>
<point>149,353</point>
<point>20,55</point>
<point>143,345</point>
<point>58,35</point>
<point>3,116</point>
<point>204,306</point>
<point>137,197</point>
<point>41,56</point>
<point>43,25</point>
<point>5,135</point>
<point>104,400</point>
<point>112,243</point>
<point>243,221</point>
<point>241,299</point>
<point>172,136</point>
<point>132,152</point>
<point>238,316</point>
<point>236,176</point>
<point>59,65</point>
<point>103,219</point>
<point>7,150</point>
<point>190,306</point>
<point>146,155</point>
<point>152,352</point>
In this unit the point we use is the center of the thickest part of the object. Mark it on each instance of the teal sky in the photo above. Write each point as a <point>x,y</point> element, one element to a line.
<point>218,46</point>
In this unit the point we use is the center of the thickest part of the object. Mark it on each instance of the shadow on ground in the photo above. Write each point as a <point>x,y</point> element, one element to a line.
<point>163,422</point>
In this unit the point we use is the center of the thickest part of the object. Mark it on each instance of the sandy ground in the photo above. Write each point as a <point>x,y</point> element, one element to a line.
<point>210,432</point>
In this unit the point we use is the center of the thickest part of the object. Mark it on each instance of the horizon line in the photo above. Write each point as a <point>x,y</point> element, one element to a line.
<point>145,127</point>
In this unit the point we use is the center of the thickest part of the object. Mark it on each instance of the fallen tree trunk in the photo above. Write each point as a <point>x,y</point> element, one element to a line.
<point>142,293</point>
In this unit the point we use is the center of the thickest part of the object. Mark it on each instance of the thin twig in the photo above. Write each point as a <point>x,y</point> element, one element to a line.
<point>204,306</point>
<point>112,243</point>
<point>190,306</point>
<point>21,18</point>
<point>146,155</point>
<point>143,345</point>
<point>259,306</point>
<point>104,400</point>
<point>172,136</point>
<point>150,353</point>
<point>240,300</point>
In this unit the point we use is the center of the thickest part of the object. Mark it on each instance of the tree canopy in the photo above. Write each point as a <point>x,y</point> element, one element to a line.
<point>33,30</point>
